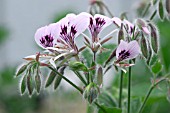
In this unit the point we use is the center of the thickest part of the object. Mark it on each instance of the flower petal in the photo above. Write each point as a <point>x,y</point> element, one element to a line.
<point>40,33</point>
<point>80,22</point>
<point>117,21</point>
<point>129,25</point>
<point>106,19</point>
<point>146,30</point>
<point>122,46</point>
<point>134,49</point>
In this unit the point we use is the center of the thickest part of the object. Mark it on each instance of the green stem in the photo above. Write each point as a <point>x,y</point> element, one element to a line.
<point>148,94</point>
<point>71,83</point>
<point>129,88</point>
<point>120,89</point>
<point>80,77</point>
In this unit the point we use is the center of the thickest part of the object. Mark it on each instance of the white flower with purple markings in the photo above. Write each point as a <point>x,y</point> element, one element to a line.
<point>127,51</point>
<point>97,24</point>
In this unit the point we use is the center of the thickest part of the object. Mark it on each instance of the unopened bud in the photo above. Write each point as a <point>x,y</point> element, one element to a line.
<point>154,38</point>
<point>30,85</point>
<point>100,76</point>
<point>38,82</point>
<point>144,47</point>
<point>21,70</point>
<point>168,6</point>
<point>91,92</point>
<point>161,10</point>
<point>120,34</point>
<point>78,66</point>
<point>59,78</point>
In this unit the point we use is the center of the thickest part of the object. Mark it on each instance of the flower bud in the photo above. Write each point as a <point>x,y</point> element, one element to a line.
<point>21,70</point>
<point>59,78</point>
<point>161,10</point>
<point>30,85</point>
<point>38,82</point>
<point>120,34</point>
<point>144,47</point>
<point>91,92</point>
<point>78,66</point>
<point>154,38</point>
<point>168,6</point>
<point>100,76</point>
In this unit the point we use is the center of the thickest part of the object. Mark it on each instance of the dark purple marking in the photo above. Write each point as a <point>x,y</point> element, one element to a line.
<point>47,41</point>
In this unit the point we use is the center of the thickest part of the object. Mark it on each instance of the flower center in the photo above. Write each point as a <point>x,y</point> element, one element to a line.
<point>123,55</point>
<point>47,41</point>
<point>68,36</point>
<point>95,27</point>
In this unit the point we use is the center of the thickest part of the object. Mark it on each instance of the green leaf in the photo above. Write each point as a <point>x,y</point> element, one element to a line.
<point>156,68</point>
<point>161,10</point>
<point>106,99</point>
<point>21,70</point>
<point>87,55</point>
<point>50,78</point>
<point>23,85</point>
<point>102,57</point>
<point>109,110</point>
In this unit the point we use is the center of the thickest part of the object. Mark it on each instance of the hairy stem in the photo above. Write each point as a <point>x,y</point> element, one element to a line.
<point>71,83</point>
<point>120,89</point>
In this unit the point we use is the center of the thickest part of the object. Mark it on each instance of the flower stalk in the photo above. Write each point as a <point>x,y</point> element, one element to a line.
<point>129,88</point>
<point>120,89</point>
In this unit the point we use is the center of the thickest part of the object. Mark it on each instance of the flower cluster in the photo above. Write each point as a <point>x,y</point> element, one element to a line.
<point>61,50</point>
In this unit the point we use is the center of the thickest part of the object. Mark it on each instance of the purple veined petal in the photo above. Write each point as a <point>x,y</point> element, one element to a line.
<point>117,21</point>
<point>103,21</point>
<point>121,47</point>
<point>80,23</point>
<point>44,38</point>
<point>129,25</point>
<point>134,49</point>
<point>146,30</point>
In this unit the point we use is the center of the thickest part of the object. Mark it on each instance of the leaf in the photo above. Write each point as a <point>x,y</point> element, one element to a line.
<point>38,83</point>
<point>109,110</point>
<point>161,10</point>
<point>106,99</point>
<point>156,68</point>
<point>102,57</point>
<point>23,85</point>
<point>50,78</point>
<point>87,56</point>
<point>21,70</point>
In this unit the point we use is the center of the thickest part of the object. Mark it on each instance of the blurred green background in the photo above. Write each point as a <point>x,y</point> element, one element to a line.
<point>63,101</point>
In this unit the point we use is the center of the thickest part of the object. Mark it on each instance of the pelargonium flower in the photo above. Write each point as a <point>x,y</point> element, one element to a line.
<point>45,36</point>
<point>68,28</point>
<point>127,51</point>
<point>97,24</point>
